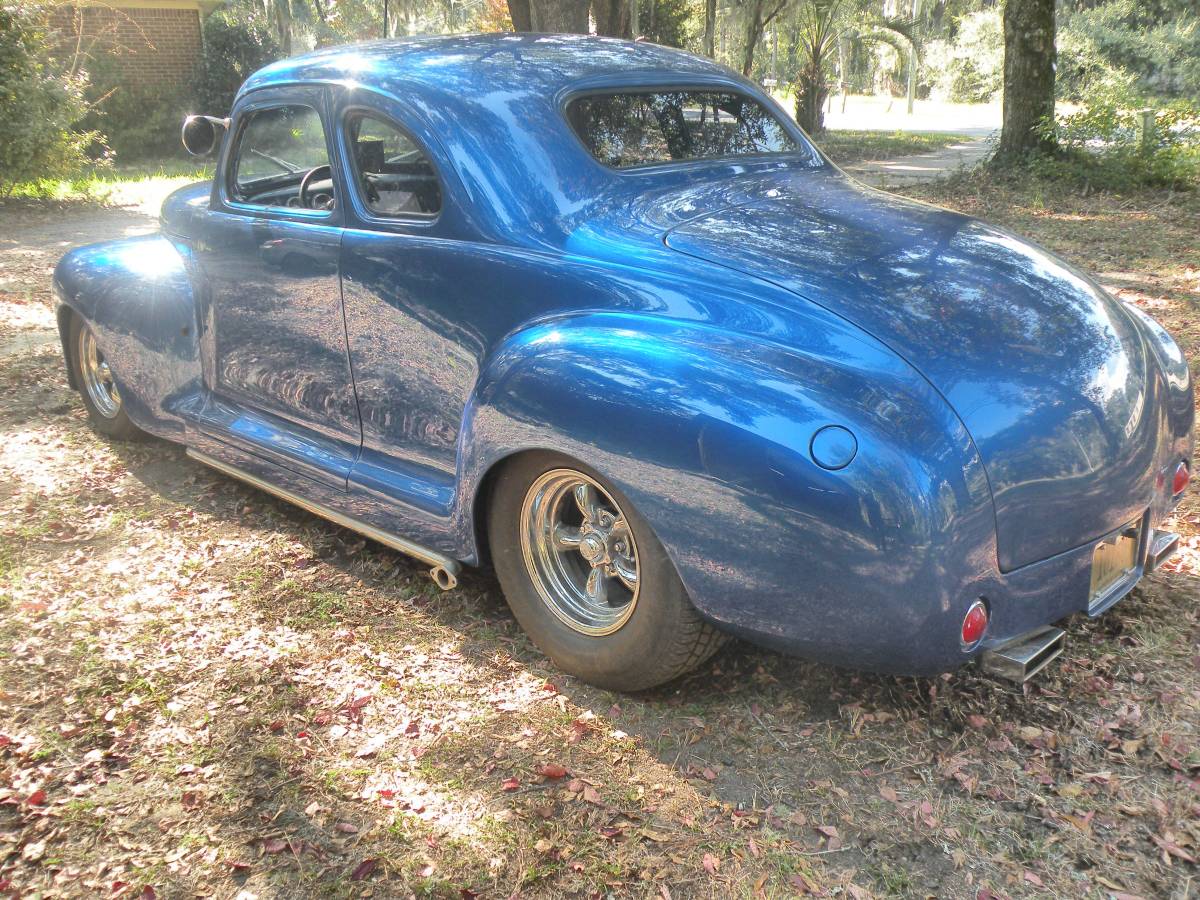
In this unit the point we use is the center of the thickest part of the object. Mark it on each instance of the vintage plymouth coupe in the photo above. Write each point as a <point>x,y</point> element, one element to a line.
<point>598,314</point>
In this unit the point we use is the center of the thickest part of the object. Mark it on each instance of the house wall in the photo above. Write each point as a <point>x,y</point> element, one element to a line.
<point>150,45</point>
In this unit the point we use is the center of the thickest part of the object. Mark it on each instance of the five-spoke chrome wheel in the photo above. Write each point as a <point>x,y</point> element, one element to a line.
<point>97,376</point>
<point>580,552</point>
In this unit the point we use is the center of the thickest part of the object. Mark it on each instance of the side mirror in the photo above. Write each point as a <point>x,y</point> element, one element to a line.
<point>200,135</point>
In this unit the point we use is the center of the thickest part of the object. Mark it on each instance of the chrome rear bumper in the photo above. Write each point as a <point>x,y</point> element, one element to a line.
<point>1023,657</point>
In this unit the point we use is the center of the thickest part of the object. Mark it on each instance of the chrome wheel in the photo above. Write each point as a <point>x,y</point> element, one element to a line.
<point>97,376</point>
<point>580,552</point>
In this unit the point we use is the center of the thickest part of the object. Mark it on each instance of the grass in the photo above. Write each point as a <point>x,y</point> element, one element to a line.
<point>118,183</point>
<point>223,694</point>
<point>111,183</point>
<point>848,146</point>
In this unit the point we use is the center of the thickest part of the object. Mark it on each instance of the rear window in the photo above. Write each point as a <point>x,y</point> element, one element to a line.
<point>652,127</point>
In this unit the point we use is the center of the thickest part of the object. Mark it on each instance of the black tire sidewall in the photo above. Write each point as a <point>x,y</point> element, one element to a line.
<point>634,657</point>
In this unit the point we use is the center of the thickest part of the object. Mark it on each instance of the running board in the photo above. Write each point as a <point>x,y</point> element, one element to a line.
<point>1022,658</point>
<point>445,570</point>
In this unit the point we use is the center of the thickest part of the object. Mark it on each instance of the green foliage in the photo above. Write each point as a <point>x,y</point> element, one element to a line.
<point>673,23</point>
<point>1104,146</point>
<point>39,107</point>
<point>236,44</point>
<point>970,67</point>
<point>140,121</point>
<point>818,25</point>
<point>143,121</point>
<point>1125,45</point>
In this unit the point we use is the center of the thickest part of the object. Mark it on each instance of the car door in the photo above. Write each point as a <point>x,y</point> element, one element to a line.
<point>417,320</point>
<point>276,364</point>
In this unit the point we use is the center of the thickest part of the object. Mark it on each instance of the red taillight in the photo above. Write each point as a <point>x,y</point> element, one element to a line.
<point>1181,479</point>
<point>975,623</point>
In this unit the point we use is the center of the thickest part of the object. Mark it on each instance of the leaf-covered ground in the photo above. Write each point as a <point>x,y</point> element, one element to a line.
<point>206,692</point>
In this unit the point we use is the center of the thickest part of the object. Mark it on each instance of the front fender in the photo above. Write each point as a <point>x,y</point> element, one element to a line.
<point>708,434</point>
<point>137,297</point>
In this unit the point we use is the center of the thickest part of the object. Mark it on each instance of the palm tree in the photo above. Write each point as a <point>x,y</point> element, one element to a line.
<point>818,28</point>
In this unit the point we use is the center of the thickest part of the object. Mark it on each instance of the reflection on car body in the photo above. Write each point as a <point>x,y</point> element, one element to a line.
<point>599,314</point>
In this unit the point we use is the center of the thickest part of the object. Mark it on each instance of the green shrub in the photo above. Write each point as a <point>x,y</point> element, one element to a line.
<point>1130,46</point>
<point>969,68</point>
<point>39,107</point>
<point>1103,147</point>
<point>140,121</point>
<point>235,46</point>
<point>143,122</point>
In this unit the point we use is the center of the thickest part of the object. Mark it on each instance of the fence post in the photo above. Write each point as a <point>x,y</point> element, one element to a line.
<point>1146,129</point>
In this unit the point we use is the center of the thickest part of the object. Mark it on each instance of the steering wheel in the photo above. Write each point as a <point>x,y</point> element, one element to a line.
<point>320,200</point>
<point>370,188</point>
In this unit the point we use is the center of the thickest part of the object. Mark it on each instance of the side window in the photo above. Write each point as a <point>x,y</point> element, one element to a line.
<point>393,174</point>
<point>278,147</point>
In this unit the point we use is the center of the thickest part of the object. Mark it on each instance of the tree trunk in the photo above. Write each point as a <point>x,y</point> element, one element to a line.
<point>759,14</point>
<point>911,90</point>
<point>754,31</point>
<point>710,28</point>
<point>559,16</point>
<point>634,25</point>
<point>612,19</point>
<point>283,24</point>
<point>518,11</point>
<point>842,76</point>
<point>1028,77</point>
<point>811,93</point>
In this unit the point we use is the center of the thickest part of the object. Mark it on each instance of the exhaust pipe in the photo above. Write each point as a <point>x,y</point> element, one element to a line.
<point>444,577</point>
<point>1023,657</point>
<point>1163,545</point>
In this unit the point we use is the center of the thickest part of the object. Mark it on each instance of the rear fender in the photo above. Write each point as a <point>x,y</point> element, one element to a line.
<point>709,434</point>
<point>138,299</point>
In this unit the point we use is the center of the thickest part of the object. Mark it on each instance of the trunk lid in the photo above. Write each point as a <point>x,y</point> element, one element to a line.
<point>1047,372</point>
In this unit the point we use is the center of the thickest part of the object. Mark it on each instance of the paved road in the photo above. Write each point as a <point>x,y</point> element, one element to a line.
<point>887,173</point>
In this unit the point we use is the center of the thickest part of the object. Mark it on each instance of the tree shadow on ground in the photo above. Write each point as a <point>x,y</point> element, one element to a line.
<point>895,779</point>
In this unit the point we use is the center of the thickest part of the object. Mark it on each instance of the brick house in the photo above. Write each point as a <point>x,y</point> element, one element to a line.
<point>145,43</point>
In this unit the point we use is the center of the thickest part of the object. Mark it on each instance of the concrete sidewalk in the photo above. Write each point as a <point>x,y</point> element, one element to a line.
<point>923,166</point>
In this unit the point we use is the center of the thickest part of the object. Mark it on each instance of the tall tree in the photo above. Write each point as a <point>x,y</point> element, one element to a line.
<point>710,28</point>
<point>282,9</point>
<point>550,16</point>
<point>911,88</point>
<point>613,18</point>
<point>818,31</point>
<point>1028,78</point>
<point>522,17</point>
<point>758,15</point>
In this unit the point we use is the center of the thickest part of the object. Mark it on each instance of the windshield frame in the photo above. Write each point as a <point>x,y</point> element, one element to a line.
<point>225,191</point>
<point>805,152</point>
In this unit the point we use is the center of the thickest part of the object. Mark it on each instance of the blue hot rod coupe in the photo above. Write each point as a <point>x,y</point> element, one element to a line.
<point>600,314</point>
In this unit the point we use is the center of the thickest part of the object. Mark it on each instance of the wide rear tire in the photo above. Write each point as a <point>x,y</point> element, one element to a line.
<point>588,580</point>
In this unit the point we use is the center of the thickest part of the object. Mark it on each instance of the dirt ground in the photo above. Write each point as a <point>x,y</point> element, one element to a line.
<point>205,692</point>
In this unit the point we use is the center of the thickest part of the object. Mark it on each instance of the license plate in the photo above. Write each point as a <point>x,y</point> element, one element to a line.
<point>1113,561</point>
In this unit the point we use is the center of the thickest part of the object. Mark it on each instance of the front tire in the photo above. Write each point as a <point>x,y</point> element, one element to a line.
<point>588,580</point>
<point>94,379</point>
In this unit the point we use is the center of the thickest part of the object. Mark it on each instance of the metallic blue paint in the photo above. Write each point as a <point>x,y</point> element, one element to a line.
<point>691,331</point>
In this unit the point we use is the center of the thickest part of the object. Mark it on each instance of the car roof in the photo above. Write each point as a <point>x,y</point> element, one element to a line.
<point>488,106</point>
<point>533,63</point>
